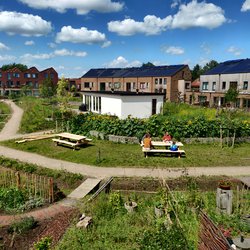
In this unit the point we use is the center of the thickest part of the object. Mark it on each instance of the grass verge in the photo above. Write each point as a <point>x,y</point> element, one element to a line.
<point>108,154</point>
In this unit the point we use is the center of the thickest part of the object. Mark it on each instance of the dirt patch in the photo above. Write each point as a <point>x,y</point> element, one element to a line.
<point>53,227</point>
<point>204,183</point>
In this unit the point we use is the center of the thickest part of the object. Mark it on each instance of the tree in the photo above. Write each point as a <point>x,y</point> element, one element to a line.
<point>148,64</point>
<point>231,96</point>
<point>210,65</point>
<point>62,94</point>
<point>196,72</point>
<point>47,89</point>
<point>20,66</point>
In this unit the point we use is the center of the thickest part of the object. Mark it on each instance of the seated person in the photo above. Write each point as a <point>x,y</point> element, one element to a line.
<point>147,141</point>
<point>167,137</point>
<point>174,147</point>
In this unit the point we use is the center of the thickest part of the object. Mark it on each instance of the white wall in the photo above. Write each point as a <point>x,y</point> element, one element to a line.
<point>111,105</point>
<point>239,78</point>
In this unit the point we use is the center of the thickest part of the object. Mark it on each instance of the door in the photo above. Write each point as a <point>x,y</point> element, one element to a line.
<point>128,86</point>
<point>154,106</point>
<point>102,86</point>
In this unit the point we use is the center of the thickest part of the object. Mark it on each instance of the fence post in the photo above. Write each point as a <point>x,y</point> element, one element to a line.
<point>18,180</point>
<point>51,191</point>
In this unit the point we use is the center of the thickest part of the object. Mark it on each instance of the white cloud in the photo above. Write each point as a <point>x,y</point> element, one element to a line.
<point>175,3</point>
<point>52,45</point>
<point>3,46</point>
<point>82,35</point>
<point>205,47</point>
<point>174,50</point>
<point>246,6</point>
<point>106,44</point>
<point>7,58</point>
<point>30,57</point>
<point>235,51</point>
<point>151,25</point>
<point>121,62</point>
<point>81,6</point>
<point>23,24</point>
<point>29,43</point>
<point>65,52</point>
<point>194,14</point>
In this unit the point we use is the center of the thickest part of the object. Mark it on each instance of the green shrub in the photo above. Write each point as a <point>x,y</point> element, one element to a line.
<point>43,244</point>
<point>23,225</point>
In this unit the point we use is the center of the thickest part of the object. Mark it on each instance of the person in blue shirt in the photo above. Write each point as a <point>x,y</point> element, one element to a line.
<point>174,147</point>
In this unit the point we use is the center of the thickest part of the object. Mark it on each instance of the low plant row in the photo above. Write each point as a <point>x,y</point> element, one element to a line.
<point>199,126</point>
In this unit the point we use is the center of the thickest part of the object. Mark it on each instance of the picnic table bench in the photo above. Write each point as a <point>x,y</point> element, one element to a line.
<point>163,147</point>
<point>71,140</point>
<point>148,151</point>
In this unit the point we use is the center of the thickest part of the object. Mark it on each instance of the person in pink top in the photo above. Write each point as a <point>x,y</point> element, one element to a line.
<point>167,137</point>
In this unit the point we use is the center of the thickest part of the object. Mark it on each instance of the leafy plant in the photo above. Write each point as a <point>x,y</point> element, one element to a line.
<point>43,244</point>
<point>23,225</point>
<point>116,201</point>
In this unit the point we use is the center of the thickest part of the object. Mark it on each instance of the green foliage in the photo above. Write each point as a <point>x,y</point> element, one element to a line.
<point>231,95</point>
<point>148,64</point>
<point>20,66</point>
<point>43,244</point>
<point>198,70</point>
<point>12,199</point>
<point>116,201</point>
<point>47,89</point>
<point>23,225</point>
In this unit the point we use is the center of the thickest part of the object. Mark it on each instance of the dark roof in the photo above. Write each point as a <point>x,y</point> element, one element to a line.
<point>123,93</point>
<point>135,72</point>
<point>231,67</point>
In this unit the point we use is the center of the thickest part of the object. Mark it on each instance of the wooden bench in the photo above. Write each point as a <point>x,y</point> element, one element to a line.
<point>147,151</point>
<point>68,143</point>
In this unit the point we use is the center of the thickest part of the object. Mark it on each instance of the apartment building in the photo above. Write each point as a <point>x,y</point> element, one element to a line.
<point>13,81</point>
<point>172,81</point>
<point>216,82</point>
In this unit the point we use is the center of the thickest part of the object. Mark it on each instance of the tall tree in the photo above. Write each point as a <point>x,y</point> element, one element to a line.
<point>196,72</point>
<point>231,96</point>
<point>20,66</point>
<point>47,89</point>
<point>210,65</point>
<point>148,64</point>
<point>62,94</point>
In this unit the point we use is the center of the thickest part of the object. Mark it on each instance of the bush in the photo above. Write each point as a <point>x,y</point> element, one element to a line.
<point>23,225</point>
<point>43,244</point>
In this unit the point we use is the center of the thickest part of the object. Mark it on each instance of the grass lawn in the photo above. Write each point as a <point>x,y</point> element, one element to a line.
<point>109,154</point>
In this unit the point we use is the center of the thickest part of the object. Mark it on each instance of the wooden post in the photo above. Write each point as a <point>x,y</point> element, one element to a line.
<point>51,191</point>
<point>234,138</point>
<point>220,136</point>
<point>18,180</point>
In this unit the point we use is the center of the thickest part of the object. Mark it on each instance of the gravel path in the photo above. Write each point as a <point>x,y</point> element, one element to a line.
<point>11,128</point>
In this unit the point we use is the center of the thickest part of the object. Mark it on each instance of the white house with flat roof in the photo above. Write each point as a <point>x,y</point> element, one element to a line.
<point>124,104</point>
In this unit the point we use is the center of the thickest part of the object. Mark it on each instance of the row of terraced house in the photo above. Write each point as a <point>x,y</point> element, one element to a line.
<point>173,82</point>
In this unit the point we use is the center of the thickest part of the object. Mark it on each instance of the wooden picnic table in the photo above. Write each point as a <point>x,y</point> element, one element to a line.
<point>163,147</point>
<point>71,140</point>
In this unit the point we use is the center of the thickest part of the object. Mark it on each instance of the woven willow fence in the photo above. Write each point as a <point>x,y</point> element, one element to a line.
<point>36,185</point>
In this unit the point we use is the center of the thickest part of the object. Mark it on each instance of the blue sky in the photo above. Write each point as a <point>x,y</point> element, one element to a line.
<point>74,36</point>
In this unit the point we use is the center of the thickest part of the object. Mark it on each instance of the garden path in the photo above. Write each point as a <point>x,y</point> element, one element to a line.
<point>103,172</point>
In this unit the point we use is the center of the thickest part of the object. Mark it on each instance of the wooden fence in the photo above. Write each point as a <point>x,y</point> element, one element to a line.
<point>36,185</point>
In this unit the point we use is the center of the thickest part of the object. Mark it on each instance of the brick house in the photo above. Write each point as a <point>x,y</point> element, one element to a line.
<point>172,81</point>
<point>14,80</point>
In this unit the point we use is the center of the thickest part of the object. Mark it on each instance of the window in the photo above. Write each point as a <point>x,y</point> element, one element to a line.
<point>46,75</point>
<point>156,90</point>
<point>187,85</point>
<point>165,81</point>
<point>0,84</point>
<point>17,75</point>
<point>160,81</point>
<point>142,85</point>
<point>205,86</point>
<point>117,85</point>
<point>134,85</point>
<point>18,83</point>
<point>51,75</point>
<point>34,75</point>
<point>224,85</point>
<point>214,85</point>
<point>36,85</point>
<point>110,85</point>
<point>156,81</point>
<point>88,102</point>
<point>9,76</point>
<point>245,85</point>
<point>86,84</point>
<point>0,74</point>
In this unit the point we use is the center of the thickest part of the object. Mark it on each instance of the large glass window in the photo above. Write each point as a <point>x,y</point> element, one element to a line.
<point>117,85</point>
<point>214,85</point>
<point>205,86</point>
<point>245,85</point>
<point>224,85</point>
